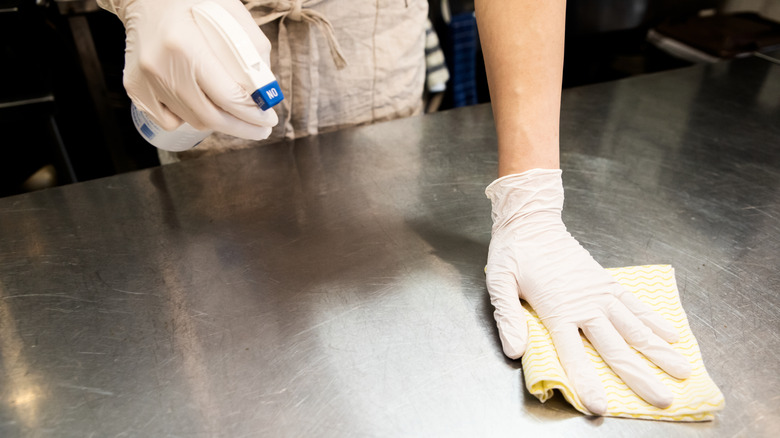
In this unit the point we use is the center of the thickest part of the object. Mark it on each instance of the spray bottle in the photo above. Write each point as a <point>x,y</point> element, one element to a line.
<point>239,56</point>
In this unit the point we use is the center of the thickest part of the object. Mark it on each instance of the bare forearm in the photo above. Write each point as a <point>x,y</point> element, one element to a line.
<point>522,42</point>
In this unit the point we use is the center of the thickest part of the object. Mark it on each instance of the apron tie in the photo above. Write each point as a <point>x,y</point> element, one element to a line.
<point>266,11</point>
<point>296,10</point>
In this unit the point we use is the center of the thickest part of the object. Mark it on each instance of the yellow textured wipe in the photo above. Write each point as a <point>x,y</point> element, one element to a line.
<point>695,399</point>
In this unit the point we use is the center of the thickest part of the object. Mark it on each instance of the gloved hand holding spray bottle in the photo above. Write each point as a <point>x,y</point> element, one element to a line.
<point>193,67</point>
<point>238,55</point>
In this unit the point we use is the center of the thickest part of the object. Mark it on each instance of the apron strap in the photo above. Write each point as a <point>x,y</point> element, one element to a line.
<point>266,11</point>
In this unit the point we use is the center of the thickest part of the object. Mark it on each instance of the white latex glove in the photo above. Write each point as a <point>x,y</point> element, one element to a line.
<point>172,75</point>
<point>533,257</point>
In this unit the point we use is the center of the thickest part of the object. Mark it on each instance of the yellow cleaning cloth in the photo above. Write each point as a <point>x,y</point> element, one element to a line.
<point>695,399</point>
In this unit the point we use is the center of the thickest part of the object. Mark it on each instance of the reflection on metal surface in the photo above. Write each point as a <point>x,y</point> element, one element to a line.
<point>21,393</point>
<point>334,286</point>
<point>187,345</point>
<point>769,58</point>
<point>769,95</point>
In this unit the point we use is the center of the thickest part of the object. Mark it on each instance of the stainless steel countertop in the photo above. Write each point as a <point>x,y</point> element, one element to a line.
<point>333,286</point>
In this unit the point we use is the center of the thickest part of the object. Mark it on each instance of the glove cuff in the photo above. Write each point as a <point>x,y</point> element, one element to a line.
<point>524,193</point>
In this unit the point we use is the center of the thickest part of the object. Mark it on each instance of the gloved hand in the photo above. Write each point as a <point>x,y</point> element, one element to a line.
<point>533,257</point>
<point>172,75</point>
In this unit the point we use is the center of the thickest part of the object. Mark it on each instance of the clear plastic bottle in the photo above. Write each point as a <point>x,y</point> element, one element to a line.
<point>182,138</point>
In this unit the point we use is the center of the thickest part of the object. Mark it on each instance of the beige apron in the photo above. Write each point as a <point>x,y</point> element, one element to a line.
<point>339,63</point>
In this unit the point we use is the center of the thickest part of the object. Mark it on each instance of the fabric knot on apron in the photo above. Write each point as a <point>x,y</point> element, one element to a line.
<point>297,10</point>
<point>295,14</point>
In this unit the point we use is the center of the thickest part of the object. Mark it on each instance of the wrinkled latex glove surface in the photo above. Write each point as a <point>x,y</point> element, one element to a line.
<point>172,75</point>
<point>533,257</point>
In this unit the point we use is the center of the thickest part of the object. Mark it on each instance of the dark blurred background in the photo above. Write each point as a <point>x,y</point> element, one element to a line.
<point>64,114</point>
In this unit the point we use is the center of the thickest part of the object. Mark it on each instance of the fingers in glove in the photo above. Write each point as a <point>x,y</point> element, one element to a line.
<point>639,336</point>
<point>199,111</point>
<point>145,100</point>
<point>624,362</point>
<point>579,369</point>
<point>510,319</point>
<point>650,318</point>
<point>230,97</point>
